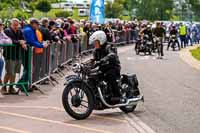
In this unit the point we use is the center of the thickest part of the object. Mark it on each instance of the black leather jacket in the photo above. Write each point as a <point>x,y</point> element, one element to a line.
<point>107,54</point>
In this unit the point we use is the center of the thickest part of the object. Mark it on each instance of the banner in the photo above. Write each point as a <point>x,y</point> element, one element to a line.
<point>97,11</point>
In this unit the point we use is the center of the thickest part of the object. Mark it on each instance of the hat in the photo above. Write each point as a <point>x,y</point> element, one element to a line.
<point>34,20</point>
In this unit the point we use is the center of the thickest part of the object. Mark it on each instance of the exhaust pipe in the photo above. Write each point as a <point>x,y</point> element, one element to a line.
<point>131,101</point>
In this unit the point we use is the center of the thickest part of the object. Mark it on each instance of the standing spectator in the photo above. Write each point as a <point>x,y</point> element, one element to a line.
<point>44,29</point>
<point>46,37</point>
<point>4,39</point>
<point>183,33</point>
<point>13,55</point>
<point>189,35</point>
<point>109,33</point>
<point>66,30</point>
<point>74,38</point>
<point>32,40</point>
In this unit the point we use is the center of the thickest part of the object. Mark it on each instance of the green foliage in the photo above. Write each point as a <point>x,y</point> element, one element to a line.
<point>195,6</point>
<point>21,14</point>
<point>155,9</point>
<point>43,6</point>
<point>196,53</point>
<point>114,10</point>
<point>64,14</point>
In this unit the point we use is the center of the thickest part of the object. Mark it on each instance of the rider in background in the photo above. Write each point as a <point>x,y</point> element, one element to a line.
<point>159,32</point>
<point>173,31</point>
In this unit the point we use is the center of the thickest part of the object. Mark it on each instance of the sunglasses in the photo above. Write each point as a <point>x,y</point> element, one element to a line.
<point>1,24</point>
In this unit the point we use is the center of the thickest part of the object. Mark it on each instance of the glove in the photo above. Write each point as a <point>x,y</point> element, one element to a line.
<point>98,63</point>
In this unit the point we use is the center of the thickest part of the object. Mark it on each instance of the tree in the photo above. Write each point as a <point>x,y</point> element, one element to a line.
<point>43,6</point>
<point>154,9</point>
<point>195,6</point>
<point>113,10</point>
<point>64,14</point>
<point>20,14</point>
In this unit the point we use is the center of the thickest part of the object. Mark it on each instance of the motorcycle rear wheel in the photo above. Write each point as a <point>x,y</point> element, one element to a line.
<point>76,101</point>
<point>128,109</point>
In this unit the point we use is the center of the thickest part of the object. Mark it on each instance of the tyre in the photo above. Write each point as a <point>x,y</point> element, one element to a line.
<point>128,109</point>
<point>131,108</point>
<point>78,101</point>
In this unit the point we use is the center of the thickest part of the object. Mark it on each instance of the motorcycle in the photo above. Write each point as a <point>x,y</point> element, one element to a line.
<point>173,40</point>
<point>144,45</point>
<point>87,91</point>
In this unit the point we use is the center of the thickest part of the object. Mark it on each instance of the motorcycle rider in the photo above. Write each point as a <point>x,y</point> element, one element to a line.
<point>173,31</point>
<point>105,53</point>
<point>159,32</point>
<point>148,31</point>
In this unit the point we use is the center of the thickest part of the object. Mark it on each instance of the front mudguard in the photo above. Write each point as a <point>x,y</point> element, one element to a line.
<point>72,79</point>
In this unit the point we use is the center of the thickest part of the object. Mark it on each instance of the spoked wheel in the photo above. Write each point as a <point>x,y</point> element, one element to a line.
<point>78,101</point>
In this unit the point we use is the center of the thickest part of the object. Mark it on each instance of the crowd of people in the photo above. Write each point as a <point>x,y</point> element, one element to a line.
<point>41,33</point>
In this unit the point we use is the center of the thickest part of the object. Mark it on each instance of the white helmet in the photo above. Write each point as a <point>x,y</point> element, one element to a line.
<point>98,35</point>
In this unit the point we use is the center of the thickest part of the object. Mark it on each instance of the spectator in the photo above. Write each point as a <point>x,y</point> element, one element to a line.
<point>46,37</point>
<point>109,33</point>
<point>13,55</point>
<point>32,39</point>
<point>66,30</point>
<point>183,33</point>
<point>30,34</point>
<point>4,39</point>
<point>44,29</point>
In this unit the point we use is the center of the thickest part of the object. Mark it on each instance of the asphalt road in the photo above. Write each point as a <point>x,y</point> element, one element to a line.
<point>171,89</point>
<point>170,86</point>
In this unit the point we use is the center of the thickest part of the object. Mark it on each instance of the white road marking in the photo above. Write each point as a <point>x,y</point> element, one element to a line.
<point>54,122</point>
<point>13,130</point>
<point>138,124</point>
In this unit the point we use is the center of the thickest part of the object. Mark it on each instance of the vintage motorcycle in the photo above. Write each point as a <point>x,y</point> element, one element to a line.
<point>144,45</point>
<point>87,91</point>
<point>173,41</point>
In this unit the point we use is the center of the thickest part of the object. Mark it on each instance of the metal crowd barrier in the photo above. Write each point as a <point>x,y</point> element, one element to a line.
<point>16,68</point>
<point>124,37</point>
<point>56,56</point>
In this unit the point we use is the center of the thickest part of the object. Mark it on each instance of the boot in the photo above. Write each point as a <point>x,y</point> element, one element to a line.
<point>4,90</point>
<point>12,90</point>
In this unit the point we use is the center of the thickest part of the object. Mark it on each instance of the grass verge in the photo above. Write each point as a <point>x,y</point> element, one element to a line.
<point>196,53</point>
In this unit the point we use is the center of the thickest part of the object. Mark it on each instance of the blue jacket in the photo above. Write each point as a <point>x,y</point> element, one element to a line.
<point>30,37</point>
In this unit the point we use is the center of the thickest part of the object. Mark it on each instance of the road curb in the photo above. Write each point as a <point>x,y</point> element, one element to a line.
<point>138,125</point>
<point>187,57</point>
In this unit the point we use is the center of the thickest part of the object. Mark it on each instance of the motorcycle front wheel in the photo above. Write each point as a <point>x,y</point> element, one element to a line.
<point>78,101</point>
